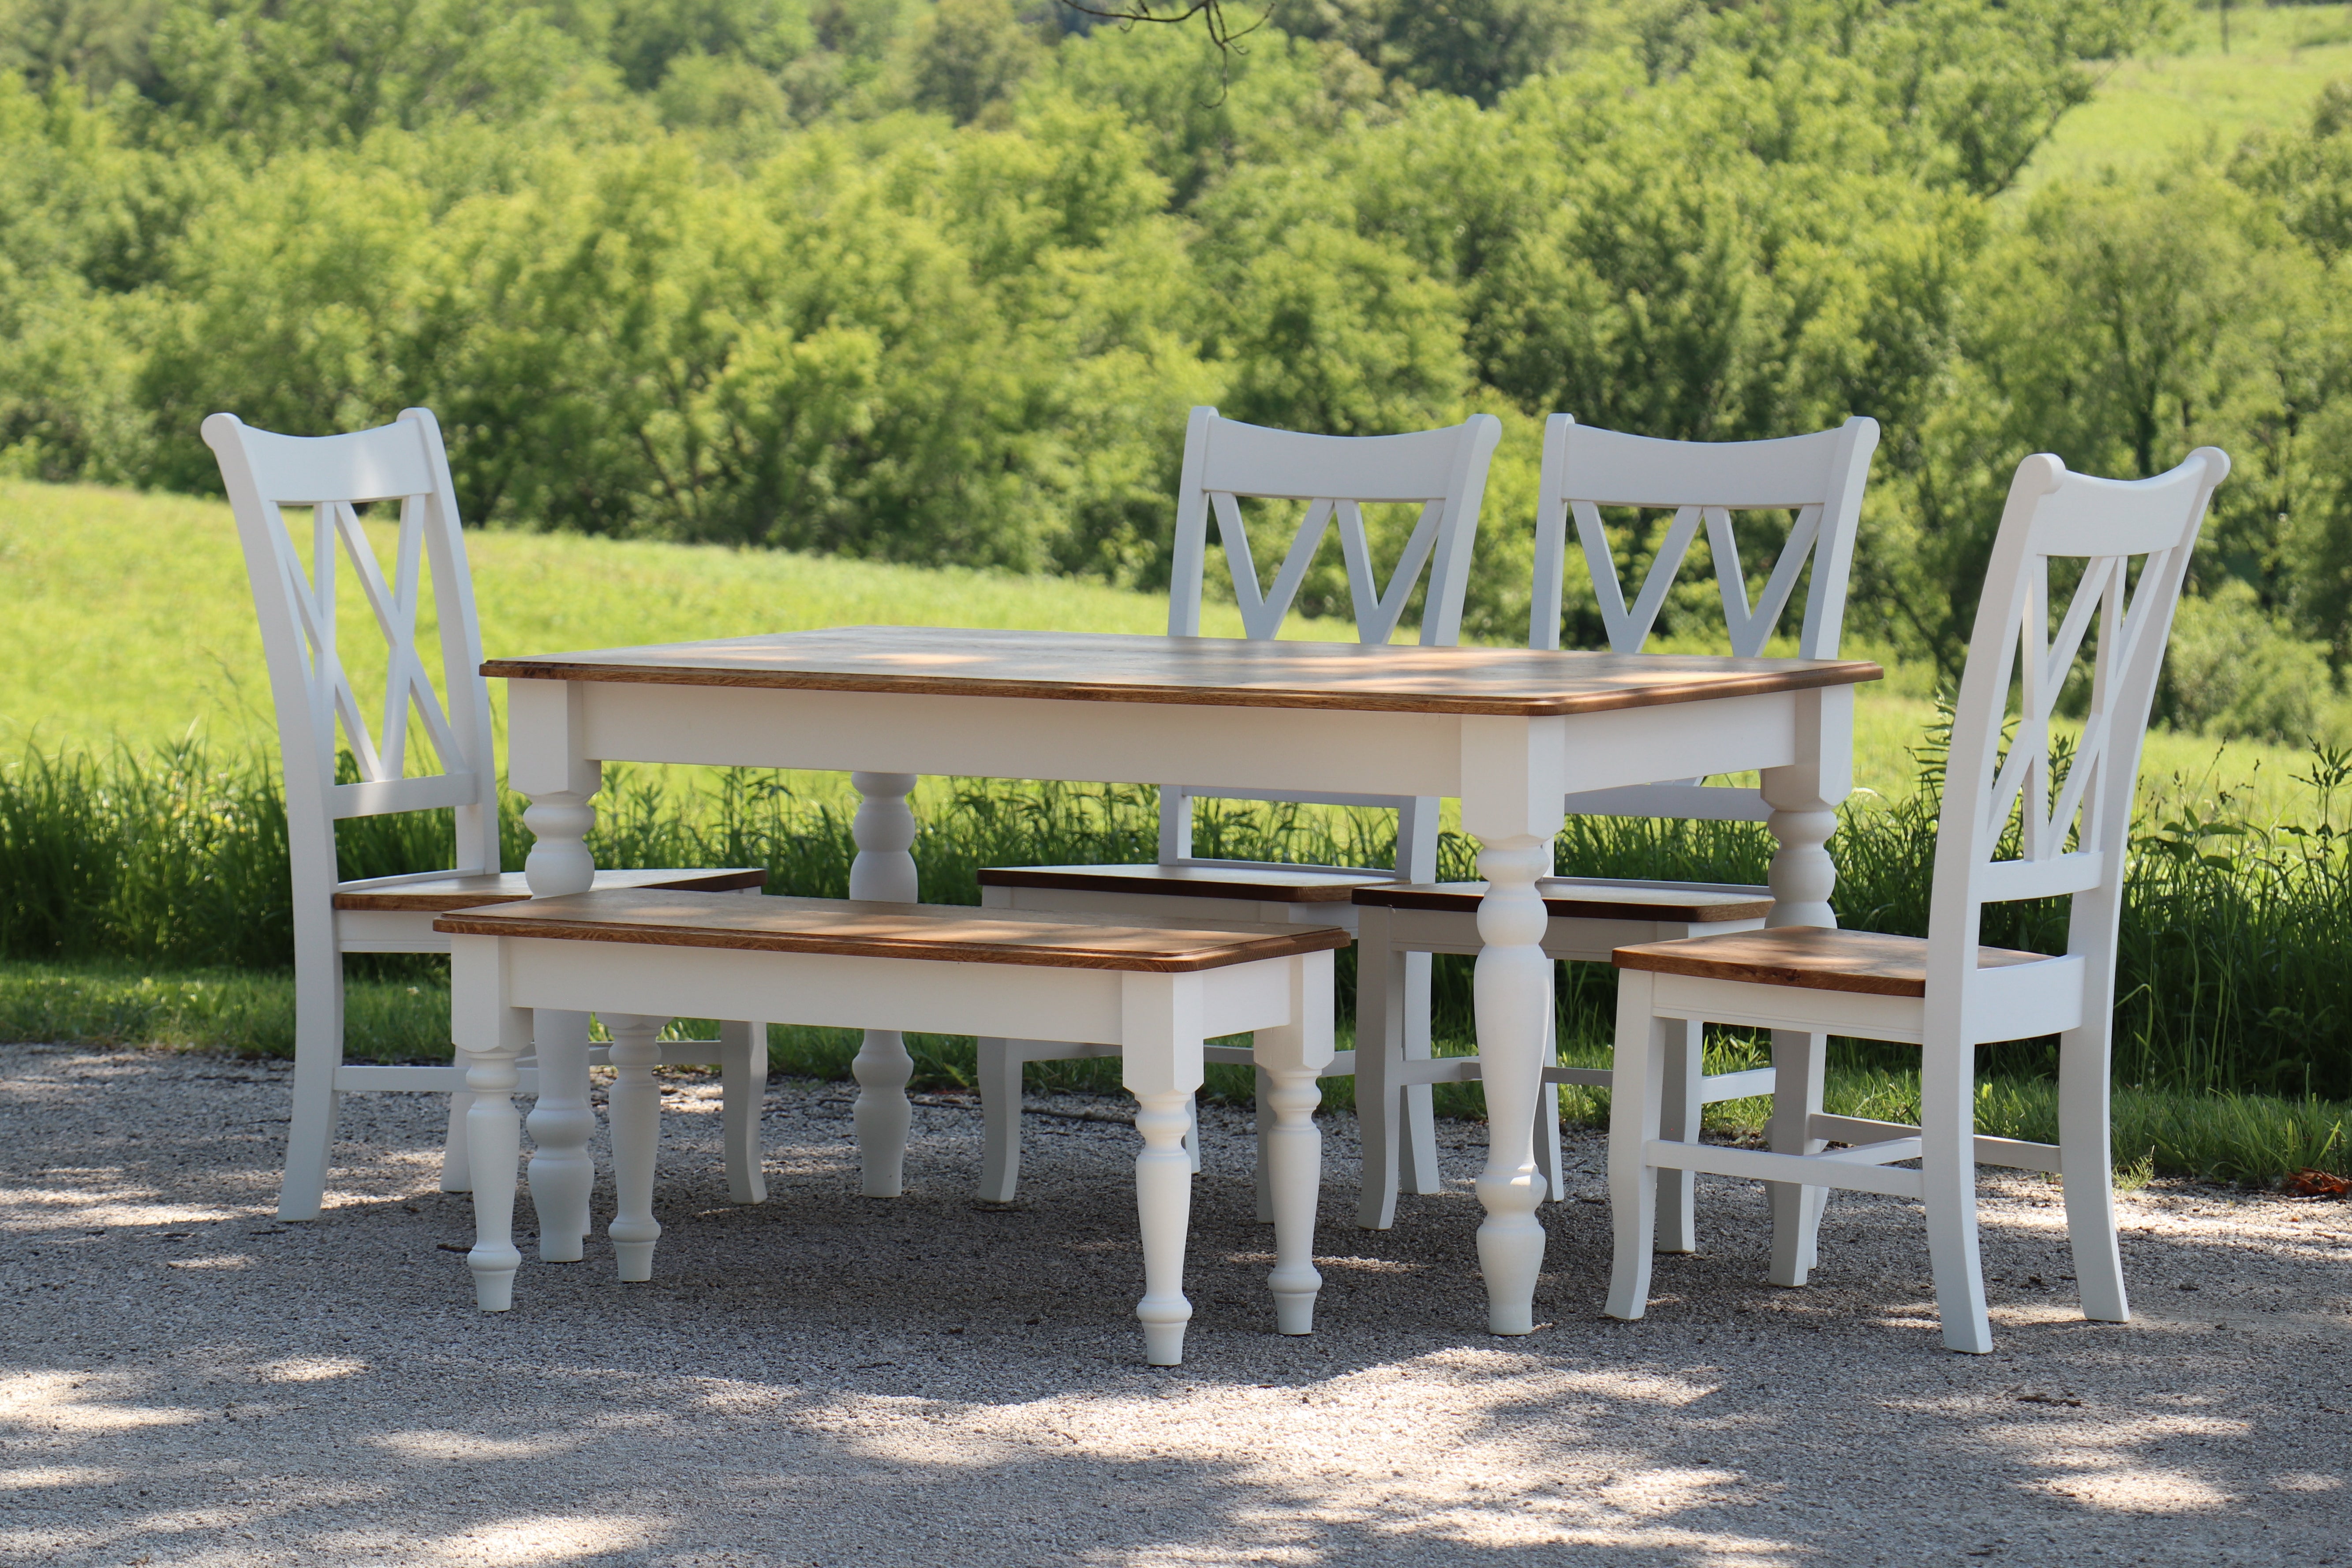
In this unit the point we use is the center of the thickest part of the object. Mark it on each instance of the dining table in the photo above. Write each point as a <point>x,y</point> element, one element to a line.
<point>1510,733</point>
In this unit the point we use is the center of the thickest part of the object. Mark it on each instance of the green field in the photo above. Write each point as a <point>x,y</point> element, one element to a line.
<point>133,622</point>
<point>2148,109</point>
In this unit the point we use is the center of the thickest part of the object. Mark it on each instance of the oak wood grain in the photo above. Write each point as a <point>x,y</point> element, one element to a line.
<point>1203,671</point>
<point>1807,955</point>
<point>1286,884</point>
<point>1587,898</point>
<point>940,933</point>
<point>434,895</point>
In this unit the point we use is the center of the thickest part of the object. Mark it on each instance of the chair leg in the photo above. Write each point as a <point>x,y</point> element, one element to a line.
<point>743,1080</point>
<point>1382,1115</point>
<point>1291,1158</point>
<point>1163,1204</point>
<point>1799,1065</point>
<point>1262,1103</point>
<point>1948,1176</point>
<point>318,1052</point>
<point>635,1118</point>
<point>561,1121</point>
<point>2086,1149</point>
<point>1000,1114</point>
<point>1682,1066</point>
<point>1416,1169</point>
<point>457,1165</point>
<point>1550,1159</point>
<point>1639,1072</point>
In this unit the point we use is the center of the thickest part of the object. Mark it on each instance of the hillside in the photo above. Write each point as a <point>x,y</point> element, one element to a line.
<point>2279,59</point>
<point>133,621</point>
<point>132,617</point>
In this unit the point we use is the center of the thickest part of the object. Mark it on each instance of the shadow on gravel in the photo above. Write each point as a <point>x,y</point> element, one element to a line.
<point>828,1379</point>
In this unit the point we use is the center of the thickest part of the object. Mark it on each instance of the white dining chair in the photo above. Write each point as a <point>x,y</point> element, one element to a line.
<point>1818,478</point>
<point>2020,819</point>
<point>1226,461</point>
<point>303,644</point>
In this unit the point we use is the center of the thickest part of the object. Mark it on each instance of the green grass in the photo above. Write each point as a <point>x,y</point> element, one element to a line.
<point>131,622</point>
<point>131,618</point>
<point>2147,110</point>
<point>142,886</point>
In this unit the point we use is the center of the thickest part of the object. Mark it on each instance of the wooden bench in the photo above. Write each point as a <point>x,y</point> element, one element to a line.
<point>1157,994</point>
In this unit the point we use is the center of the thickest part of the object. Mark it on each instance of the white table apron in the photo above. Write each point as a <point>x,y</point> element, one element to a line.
<point>1511,774</point>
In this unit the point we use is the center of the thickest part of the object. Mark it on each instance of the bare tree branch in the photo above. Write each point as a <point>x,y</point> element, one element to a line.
<point>1221,32</point>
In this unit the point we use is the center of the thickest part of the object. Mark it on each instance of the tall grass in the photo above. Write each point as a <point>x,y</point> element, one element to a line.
<point>170,866</point>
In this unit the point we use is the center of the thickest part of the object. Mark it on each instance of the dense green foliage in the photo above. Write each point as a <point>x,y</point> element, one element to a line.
<point>2229,978</point>
<point>936,282</point>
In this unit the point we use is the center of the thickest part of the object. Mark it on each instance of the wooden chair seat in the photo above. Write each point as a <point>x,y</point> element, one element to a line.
<point>435,895</point>
<point>1869,962</point>
<point>940,933</point>
<point>1264,884</point>
<point>1590,898</point>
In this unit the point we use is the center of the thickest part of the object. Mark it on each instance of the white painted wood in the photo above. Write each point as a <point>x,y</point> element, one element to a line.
<point>1226,461</point>
<point>1822,476</point>
<point>1157,1023</point>
<point>559,742</point>
<point>2073,835</point>
<point>437,691</point>
<point>634,1105</point>
<point>884,833</point>
<point>563,1176</point>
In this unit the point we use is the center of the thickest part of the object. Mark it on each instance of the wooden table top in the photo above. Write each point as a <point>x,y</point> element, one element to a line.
<point>937,933</point>
<point>1217,672</point>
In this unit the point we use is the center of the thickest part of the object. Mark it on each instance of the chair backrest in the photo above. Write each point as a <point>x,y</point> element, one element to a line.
<point>1226,460</point>
<point>333,475</point>
<point>2021,641</point>
<point>1820,478</point>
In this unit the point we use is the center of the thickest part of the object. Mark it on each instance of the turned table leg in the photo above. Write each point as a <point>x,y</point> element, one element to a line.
<point>1512,802</point>
<point>884,831</point>
<point>1804,801</point>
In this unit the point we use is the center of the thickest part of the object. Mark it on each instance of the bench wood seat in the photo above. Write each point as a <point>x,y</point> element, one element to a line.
<point>940,932</point>
<point>435,895</point>
<point>1265,885</point>
<point>1869,962</point>
<point>1590,898</point>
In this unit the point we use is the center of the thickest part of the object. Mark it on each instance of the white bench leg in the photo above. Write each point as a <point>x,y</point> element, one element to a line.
<point>494,1141</point>
<point>635,1118</point>
<point>743,1079</point>
<point>1163,1206</point>
<point>1290,1162</point>
<point>563,1176</point>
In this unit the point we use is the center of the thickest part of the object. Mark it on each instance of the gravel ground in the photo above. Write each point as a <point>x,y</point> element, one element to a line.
<point>833,1380</point>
